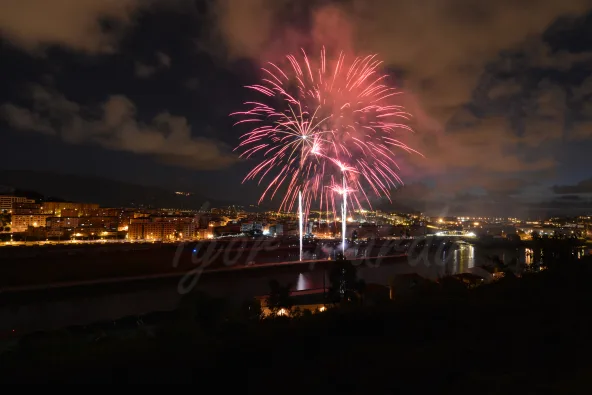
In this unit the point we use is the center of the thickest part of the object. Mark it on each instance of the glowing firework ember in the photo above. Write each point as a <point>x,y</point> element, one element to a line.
<point>326,128</point>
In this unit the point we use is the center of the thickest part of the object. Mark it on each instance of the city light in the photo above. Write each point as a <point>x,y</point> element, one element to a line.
<point>282,312</point>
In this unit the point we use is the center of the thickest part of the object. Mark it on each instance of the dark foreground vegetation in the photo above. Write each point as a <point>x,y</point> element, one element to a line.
<point>518,335</point>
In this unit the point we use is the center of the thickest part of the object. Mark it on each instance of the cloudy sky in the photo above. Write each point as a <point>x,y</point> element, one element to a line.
<point>140,91</point>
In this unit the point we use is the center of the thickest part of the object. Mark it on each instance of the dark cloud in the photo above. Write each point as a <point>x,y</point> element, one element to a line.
<point>581,131</point>
<point>536,53</point>
<point>571,198</point>
<point>75,24</point>
<point>441,48</point>
<point>444,42</point>
<point>114,125</point>
<point>497,107</point>
<point>25,119</point>
<point>505,89</point>
<point>191,84</point>
<point>494,197</point>
<point>584,186</point>
<point>563,207</point>
<point>143,70</point>
<point>164,60</point>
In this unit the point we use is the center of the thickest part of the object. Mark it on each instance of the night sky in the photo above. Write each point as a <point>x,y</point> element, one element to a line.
<point>140,91</point>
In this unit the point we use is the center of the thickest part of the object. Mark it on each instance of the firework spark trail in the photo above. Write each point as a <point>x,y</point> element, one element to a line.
<point>324,120</point>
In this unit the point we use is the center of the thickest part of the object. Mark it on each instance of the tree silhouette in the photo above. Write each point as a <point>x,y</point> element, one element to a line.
<point>251,310</point>
<point>345,285</point>
<point>5,220</point>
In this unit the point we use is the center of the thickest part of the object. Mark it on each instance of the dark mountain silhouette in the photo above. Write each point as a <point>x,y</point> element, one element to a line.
<point>46,186</point>
<point>108,193</point>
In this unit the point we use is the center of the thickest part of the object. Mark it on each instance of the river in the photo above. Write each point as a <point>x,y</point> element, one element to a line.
<point>55,307</point>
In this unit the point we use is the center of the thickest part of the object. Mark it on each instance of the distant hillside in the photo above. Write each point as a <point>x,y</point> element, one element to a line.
<point>97,190</point>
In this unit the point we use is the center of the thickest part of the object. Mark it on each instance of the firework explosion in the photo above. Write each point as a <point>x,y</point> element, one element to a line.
<point>326,128</point>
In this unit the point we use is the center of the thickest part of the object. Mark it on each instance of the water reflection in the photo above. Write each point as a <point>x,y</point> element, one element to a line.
<point>304,281</point>
<point>466,257</point>
<point>459,259</point>
<point>49,312</point>
<point>528,256</point>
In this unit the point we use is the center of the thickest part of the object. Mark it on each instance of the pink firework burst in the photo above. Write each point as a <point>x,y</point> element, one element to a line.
<point>324,122</point>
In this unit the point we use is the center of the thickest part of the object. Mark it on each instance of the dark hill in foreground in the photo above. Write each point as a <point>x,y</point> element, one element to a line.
<point>528,335</point>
